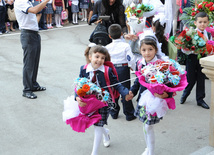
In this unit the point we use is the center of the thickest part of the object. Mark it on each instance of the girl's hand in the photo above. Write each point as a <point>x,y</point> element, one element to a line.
<point>54,8</point>
<point>129,96</point>
<point>80,103</point>
<point>164,95</point>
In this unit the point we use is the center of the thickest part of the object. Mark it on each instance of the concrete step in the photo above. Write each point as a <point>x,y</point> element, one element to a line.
<point>208,150</point>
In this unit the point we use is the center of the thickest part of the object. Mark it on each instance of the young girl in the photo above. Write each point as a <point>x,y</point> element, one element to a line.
<point>97,56</point>
<point>158,27</point>
<point>75,10</point>
<point>148,49</point>
<point>84,7</point>
<point>49,12</point>
<point>58,6</point>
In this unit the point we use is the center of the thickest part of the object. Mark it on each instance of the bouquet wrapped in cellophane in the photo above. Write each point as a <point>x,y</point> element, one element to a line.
<point>81,118</point>
<point>159,77</point>
<point>193,42</point>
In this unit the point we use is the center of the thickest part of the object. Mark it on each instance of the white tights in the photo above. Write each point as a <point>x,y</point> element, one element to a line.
<point>98,135</point>
<point>150,139</point>
<point>57,19</point>
<point>74,17</point>
<point>84,14</point>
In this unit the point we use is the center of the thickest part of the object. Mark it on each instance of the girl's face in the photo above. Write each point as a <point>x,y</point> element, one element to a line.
<point>153,28</point>
<point>148,52</point>
<point>97,59</point>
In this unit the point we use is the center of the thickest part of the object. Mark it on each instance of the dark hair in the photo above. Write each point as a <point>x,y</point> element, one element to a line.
<point>86,54</point>
<point>201,14</point>
<point>115,31</point>
<point>110,9</point>
<point>159,33</point>
<point>149,40</point>
<point>99,49</point>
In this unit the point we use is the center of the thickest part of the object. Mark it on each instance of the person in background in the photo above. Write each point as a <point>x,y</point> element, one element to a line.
<point>193,67</point>
<point>11,6</point>
<point>123,59</point>
<point>31,44</point>
<point>75,10</point>
<point>58,7</point>
<point>49,12</point>
<point>84,7</point>
<point>2,16</point>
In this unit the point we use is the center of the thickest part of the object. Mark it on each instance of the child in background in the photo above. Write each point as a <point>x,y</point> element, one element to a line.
<point>84,7</point>
<point>158,27</point>
<point>97,56</point>
<point>75,10</point>
<point>123,60</point>
<point>58,6</point>
<point>49,12</point>
<point>148,49</point>
<point>193,67</point>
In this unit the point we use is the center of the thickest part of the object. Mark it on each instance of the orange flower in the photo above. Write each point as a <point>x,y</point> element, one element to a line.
<point>81,92</point>
<point>85,88</point>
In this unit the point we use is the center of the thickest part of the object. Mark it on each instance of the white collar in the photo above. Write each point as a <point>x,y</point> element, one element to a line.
<point>202,31</point>
<point>116,40</point>
<point>91,69</point>
<point>153,60</point>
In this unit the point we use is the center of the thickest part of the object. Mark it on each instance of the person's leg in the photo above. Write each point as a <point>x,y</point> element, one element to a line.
<point>150,137</point>
<point>85,12</point>
<point>191,76</point>
<point>83,15</point>
<point>98,133</point>
<point>200,85</point>
<point>47,20</point>
<point>36,61</point>
<point>76,20</point>
<point>11,27</point>
<point>128,108</point>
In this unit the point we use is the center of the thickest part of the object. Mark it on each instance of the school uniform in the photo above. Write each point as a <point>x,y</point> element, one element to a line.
<point>88,72</point>
<point>31,44</point>
<point>122,58</point>
<point>195,76</point>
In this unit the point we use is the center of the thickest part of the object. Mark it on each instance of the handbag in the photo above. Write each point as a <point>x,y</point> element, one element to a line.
<point>11,14</point>
<point>64,15</point>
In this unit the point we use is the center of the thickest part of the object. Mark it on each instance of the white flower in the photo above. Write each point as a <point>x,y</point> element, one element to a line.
<point>132,5</point>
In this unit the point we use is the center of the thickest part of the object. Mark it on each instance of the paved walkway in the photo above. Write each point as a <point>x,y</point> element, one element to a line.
<point>35,127</point>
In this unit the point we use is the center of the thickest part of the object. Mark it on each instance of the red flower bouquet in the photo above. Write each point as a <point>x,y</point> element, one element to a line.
<point>192,41</point>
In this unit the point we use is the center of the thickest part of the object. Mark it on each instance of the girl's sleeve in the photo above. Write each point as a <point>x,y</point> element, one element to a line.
<point>136,86</point>
<point>80,75</point>
<point>119,87</point>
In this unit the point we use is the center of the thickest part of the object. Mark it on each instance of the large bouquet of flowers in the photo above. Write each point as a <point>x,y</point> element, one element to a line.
<point>192,41</point>
<point>81,118</point>
<point>201,6</point>
<point>158,77</point>
<point>140,10</point>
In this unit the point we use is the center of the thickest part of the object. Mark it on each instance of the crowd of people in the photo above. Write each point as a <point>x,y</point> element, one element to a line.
<point>109,64</point>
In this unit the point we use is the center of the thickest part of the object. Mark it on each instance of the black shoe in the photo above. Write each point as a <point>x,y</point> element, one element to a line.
<point>40,88</point>
<point>29,95</point>
<point>183,100</point>
<point>203,105</point>
<point>114,116</point>
<point>131,118</point>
